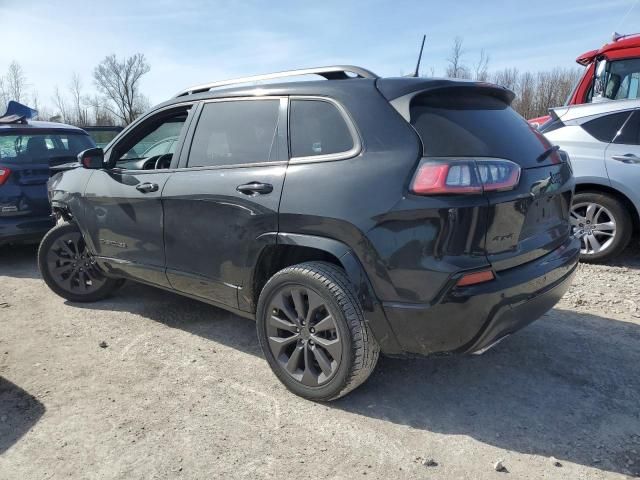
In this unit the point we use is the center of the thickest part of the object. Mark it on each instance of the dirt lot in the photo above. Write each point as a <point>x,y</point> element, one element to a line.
<point>182,391</point>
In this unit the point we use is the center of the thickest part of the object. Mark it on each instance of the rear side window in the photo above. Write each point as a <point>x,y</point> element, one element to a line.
<point>605,128</point>
<point>630,133</point>
<point>235,133</point>
<point>469,124</point>
<point>36,147</point>
<point>318,128</point>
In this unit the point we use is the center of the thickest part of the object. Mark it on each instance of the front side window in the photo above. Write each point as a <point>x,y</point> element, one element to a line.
<point>629,134</point>
<point>55,147</point>
<point>235,133</point>
<point>152,138</point>
<point>318,128</point>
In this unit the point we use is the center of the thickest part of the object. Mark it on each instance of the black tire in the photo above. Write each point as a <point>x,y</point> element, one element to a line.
<point>359,350</point>
<point>623,226</point>
<point>74,277</point>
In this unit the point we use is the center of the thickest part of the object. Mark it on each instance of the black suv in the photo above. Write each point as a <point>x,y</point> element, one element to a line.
<point>347,216</point>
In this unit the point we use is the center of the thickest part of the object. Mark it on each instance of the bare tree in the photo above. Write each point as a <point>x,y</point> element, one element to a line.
<point>61,105</point>
<point>481,69</point>
<point>456,69</point>
<point>75,88</point>
<point>507,78</point>
<point>119,81</point>
<point>4,94</point>
<point>16,82</point>
<point>101,115</point>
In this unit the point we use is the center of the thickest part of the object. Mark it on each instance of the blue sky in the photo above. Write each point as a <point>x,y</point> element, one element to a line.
<point>194,41</point>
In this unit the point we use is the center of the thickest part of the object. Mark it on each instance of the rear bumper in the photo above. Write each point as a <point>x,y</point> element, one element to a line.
<point>470,319</point>
<point>24,229</point>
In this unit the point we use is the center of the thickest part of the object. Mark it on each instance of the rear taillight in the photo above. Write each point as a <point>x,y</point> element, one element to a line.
<point>464,176</point>
<point>4,174</point>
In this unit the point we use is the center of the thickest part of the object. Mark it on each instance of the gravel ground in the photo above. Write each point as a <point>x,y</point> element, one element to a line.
<point>179,389</point>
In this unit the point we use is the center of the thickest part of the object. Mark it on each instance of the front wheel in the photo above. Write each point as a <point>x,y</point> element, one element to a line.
<point>68,268</point>
<point>312,330</point>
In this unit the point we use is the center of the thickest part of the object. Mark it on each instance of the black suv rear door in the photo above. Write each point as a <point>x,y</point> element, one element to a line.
<point>225,196</point>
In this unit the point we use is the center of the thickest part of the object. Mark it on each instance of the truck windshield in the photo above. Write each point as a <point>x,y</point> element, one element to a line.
<point>617,79</point>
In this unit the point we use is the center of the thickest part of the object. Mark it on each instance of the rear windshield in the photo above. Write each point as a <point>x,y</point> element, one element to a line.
<point>467,124</point>
<point>55,147</point>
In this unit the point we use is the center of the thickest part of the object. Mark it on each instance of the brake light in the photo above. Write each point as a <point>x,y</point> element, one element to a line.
<point>4,174</point>
<point>475,277</point>
<point>464,175</point>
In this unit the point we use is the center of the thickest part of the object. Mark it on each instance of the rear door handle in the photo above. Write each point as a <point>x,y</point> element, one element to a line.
<point>255,188</point>
<point>628,158</point>
<point>147,187</point>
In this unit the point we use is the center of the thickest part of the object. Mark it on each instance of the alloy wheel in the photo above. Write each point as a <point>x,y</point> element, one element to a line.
<point>71,265</point>
<point>596,224</point>
<point>303,335</point>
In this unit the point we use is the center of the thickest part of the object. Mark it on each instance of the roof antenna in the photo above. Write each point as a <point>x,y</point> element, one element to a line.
<point>415,74</point>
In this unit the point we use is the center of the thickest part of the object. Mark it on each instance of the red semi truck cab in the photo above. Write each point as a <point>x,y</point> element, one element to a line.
<point>614,69</point>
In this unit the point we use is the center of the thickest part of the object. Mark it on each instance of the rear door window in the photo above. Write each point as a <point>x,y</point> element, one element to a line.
<point>318,128</point>
<point>475,125</point>
<point>235,133</point>
<point>605,128</point>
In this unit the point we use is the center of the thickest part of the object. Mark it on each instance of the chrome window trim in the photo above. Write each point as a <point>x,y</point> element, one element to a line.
<point>330,157</point>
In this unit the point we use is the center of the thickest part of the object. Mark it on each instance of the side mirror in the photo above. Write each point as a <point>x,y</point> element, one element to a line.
<point>92,158</point>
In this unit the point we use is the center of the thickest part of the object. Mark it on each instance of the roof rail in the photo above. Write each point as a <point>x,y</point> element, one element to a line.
<point>335,72</point>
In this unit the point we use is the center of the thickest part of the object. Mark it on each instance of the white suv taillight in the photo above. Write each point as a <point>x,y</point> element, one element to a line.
<point>441,176</point>
<point>4,174</point>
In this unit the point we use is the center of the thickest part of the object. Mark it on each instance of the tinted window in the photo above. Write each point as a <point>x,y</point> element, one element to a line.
<point>318,128</point>
<point>52,147</point>
<point>468,124</point>
<point>623,79</point>
<point>630,134</point>
<point>605,128</point>
<point>233,133</point>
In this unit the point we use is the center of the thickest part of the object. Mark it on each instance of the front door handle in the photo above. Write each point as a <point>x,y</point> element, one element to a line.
<point>147,187</point>
<point>255,188</point>
<point>628,158</point>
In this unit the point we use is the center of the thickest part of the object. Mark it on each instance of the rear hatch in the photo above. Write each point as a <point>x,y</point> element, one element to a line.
<point>531,217</point>
<point>27,160</point>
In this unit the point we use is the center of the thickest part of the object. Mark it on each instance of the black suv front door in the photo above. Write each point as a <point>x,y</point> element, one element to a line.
<point>124,218</point>
<point>224,197</point>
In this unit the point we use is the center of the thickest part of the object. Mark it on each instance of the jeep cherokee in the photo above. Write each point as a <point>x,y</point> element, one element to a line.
<point>348,216</point>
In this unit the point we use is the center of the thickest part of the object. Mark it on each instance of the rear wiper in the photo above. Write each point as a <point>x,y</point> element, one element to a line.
<point>547,152</point>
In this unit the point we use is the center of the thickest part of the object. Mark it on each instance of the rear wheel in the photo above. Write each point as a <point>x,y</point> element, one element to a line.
<point>312,331</point>
<point>68,268</point>
<point>604,223</point>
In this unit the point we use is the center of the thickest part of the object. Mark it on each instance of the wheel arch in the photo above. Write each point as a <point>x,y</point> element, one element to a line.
<point>290,249</point>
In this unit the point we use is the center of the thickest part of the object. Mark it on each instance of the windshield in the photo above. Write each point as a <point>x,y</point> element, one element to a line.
<point>54,147</point>
<point>617,80</point>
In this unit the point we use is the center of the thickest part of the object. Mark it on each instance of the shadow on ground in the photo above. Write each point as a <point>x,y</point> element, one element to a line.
<point>567,386</point>
<point>19,261</point>
<point>19,411</point>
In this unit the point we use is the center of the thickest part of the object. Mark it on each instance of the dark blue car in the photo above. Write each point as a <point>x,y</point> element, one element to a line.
<point>28,152</point>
